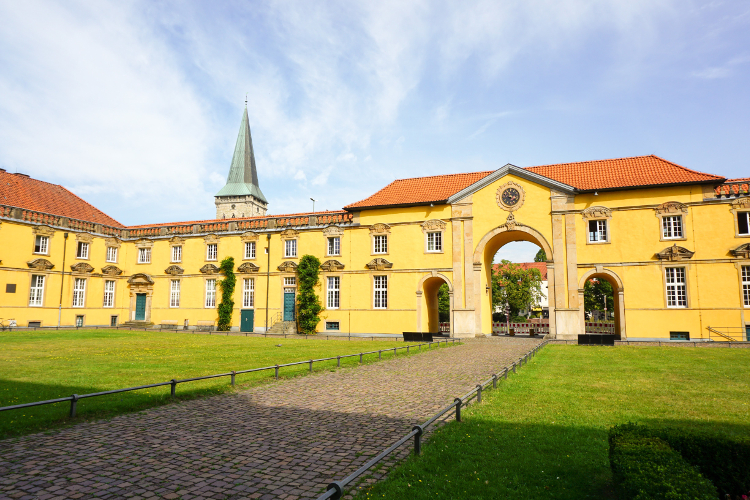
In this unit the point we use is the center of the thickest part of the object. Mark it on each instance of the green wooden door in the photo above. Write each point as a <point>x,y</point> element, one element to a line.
<point>247,318</point>
<point>289,304</point>
<point>140,307</point>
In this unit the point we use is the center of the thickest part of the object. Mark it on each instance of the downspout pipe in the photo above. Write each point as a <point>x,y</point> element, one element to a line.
<point>268,274</point>
<point>62,280</point>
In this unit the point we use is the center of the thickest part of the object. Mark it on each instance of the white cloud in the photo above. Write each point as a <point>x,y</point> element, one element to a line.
<point>322,178</point>
<point>300,176</point>
<point>346,157</point>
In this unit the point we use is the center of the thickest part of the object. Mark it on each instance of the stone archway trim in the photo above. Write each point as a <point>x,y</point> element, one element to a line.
<point>620,297</point>
<point>420,294</point>
<point>478,253</point>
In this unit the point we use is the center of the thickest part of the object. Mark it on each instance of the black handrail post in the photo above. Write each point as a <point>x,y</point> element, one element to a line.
<point>417,439</point>
<point>73,403</point>
<point>458,409</point>
<point>233,374</point>
<point>311,365</point>
<point>479,393</point>
<point>514,367</point>
<point>174,386</point>
<point>360,358</point>
<point>380,355</point>
<point>394,352</point>
<point>277,372</point>
<point>494,381</point>
<point>336,485</point>
<point>505,373</point>
<point>407,349</point>
<point>338,361</point>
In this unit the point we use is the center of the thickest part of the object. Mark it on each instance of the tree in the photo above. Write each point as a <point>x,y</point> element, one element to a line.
<point>523,287</point>
<point>595,291</point>
<point>227,291</point>
<point>540,256</point>
<point>308,303</point>
<point>444,304</point>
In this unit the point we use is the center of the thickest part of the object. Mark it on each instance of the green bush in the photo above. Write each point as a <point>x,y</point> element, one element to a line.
<point>723,460</point>
<point>646,468</point>
<point>308,303</point>
<point>227,291</point>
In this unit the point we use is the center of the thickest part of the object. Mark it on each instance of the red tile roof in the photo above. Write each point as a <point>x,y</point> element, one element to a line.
<point>319,214</point>
<point>618,173</point>
<point>542,266</point>
<point>419,190</point>
<point>21,191</point>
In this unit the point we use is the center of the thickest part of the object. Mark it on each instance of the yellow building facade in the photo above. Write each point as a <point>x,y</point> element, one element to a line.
<point>674,243</point>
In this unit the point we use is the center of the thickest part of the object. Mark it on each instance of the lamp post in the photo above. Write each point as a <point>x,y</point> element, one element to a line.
<point>507,309</point>
<point>313,200</point>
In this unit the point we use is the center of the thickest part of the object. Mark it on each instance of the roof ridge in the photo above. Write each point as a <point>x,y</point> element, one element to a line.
<point>236,219</point>
<point>443,175</point>
<point>87,203</point>
<point>687,169</point>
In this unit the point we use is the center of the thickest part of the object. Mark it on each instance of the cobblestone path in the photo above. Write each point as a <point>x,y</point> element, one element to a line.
<point>285,440</point>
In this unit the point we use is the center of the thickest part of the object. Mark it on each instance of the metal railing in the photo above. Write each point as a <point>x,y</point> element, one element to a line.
<point>729,333</point>
<point>335,490</point>
<point>76,397</point>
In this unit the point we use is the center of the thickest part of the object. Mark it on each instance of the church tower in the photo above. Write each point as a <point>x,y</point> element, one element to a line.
<point>241,196</point>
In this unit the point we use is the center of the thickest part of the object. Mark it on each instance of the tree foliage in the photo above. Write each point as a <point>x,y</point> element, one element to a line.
<point>594,293</point>
<point>444,304</point>
<point>540,256</point>
<point>226,307</point>
<point>519,287</point>
<point>308,303</point>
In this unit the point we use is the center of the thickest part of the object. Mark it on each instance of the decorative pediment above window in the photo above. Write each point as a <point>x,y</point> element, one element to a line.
<point>141,279</point>
<point>40,264</point>
<point>111,270</point>
<point>510,223</point>
<point>113,242</point>
<point>144,243</point>
<point>248,267</point>
<point>379,264</point>
<point>742,251</point>
<point>174,270</point>
<point>671,208</point>
<point>43,230</point>
<point>82,267</point>
<point>596,213</point>
<point>380,228</point>
<point>176,240</point>
<point>211,238</point>
<point>331,265</point>
<point>433,225</point>
<point>741,203</point>
<point>288,267</point>
<point>333,231</point>
<point>675,253</point>
<point>249,236</point>
<point>289,234</point>
<point>209,269</point>
<point>85,237</point>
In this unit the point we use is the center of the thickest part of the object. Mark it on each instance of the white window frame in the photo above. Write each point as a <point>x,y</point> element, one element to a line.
<point>290,248</point>
<point>671,225</point>
<point>746,215</point>
<point>42,243</point>
<point>249,250</point>
<point>675,279</point>
<point>434,241</point>
<point>212,251</point>
<point>248,293</point>
<point>82,250</point>
<point>174,293</point>
<point>745,274</point>
<point>109,293</point>
<point>379,244</point>
<point>601,232</point>
<point>380,292</point>
<point>333,246</point>
<point>333,295</point>
<point>290,281</point>
<point>79,292</point>
<point>144,255</point>
<point>111,254</point>
<point>176,253</point>
<point>36,291</point>
<point>210,300</point>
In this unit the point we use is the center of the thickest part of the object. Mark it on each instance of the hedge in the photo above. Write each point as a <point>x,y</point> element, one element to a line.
<point>724,460</point>
<point>646,468</point>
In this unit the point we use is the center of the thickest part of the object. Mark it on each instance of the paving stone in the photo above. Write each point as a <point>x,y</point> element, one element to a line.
<point>288,439</point>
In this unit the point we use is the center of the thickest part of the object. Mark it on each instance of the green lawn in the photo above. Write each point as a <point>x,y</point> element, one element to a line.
<point>543,433</point>
<point>41,365</point>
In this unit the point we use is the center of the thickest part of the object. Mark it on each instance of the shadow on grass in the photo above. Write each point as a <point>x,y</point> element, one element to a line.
<point>482,459</point>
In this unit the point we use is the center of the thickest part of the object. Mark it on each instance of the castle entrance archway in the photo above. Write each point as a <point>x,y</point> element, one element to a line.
<point>428,303</point>
<point>619,302</point>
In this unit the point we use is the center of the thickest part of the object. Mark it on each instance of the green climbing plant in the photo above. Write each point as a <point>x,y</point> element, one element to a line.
<point>227,292</point>
<point>308,303</point>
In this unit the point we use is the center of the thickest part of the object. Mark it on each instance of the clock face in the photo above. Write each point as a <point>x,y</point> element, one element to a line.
<point>511,196</point>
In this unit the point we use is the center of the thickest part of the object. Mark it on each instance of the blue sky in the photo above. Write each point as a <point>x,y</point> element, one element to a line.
<point>135,106</point>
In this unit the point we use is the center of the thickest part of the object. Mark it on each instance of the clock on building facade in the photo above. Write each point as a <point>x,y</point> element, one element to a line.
<point>510,196</point>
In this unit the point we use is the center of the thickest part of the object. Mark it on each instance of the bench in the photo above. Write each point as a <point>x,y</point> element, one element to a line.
<point>168,325</point>
<point>597,339</point>
<point>417,337</point>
